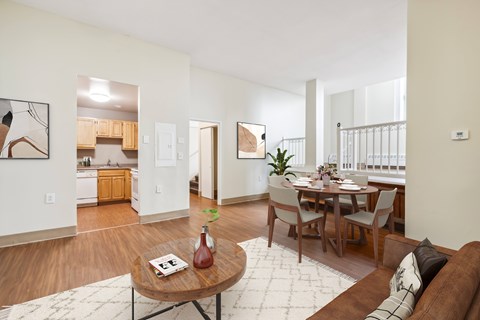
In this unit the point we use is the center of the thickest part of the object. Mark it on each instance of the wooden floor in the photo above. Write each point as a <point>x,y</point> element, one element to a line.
<point>105,216</point>
<point>39,269</point>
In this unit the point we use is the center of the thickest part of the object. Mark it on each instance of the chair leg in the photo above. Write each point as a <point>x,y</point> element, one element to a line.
<point>345,233</point>
<point>321,230</point>
<point>270,232</point>
<point>391,223</point>
<point>299,227</point>
<point>375,245</point>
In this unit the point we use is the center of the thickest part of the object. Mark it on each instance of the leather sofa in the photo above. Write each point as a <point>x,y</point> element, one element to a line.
<point>453,294</point>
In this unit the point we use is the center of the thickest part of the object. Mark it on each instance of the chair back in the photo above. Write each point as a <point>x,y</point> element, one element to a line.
<point>384,206</point>
<point>276,180</point>
<point>285,203</point>
<point>359,180</point>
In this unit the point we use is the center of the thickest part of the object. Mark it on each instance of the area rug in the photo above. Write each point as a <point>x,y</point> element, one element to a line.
<point>275,286</point>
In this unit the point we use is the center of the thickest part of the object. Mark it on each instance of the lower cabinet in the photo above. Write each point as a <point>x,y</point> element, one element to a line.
<point>111,185</point>
<point>128,185</point>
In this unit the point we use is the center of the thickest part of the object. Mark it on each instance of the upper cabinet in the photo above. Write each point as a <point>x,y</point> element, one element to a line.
<point>109,128</point>
<point>86,133</point>
<point>130,135</point>
<point>88,129</point>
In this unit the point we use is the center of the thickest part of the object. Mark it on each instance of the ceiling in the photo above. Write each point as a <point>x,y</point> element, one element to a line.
<point>123,97</point>
<point>344,44</point>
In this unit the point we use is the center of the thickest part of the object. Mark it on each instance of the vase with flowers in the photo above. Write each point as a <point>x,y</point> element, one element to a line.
<point>211,215</point>
<point>326,171</point>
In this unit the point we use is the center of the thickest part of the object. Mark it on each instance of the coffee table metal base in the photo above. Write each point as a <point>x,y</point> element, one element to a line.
<point>218,307</point>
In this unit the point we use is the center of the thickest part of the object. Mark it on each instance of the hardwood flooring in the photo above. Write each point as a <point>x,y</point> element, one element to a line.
<point>38,269</point>
<point>105,216</point>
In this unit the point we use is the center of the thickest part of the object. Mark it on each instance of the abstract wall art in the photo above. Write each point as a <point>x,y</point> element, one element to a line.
<point>24,129</point>
<point>251,141</point>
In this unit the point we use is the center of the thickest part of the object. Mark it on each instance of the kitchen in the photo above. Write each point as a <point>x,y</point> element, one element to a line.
<point>107,154</point>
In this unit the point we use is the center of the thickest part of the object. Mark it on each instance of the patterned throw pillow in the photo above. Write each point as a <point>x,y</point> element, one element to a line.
<point>429,261</point>
<point>407,277</point>
<point>398,306</point>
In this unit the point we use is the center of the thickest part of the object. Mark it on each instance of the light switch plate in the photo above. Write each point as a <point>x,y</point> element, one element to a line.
<point>181,140</point>
<point>146,139</point>
<point>180,156</point>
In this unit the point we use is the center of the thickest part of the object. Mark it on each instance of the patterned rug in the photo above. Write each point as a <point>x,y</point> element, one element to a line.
<point>275,286</point>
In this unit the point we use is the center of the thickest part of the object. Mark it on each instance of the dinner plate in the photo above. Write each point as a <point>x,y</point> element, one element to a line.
<point>304,179</point>
<point>301,184</point>
<point>350,188</point>
<point>345,182</point>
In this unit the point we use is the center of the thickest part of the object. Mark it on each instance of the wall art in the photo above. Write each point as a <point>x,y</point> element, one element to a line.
<point>251,140</point>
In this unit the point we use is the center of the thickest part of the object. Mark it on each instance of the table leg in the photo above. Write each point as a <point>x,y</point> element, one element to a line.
<point>133,302</point>
<point>218,306</point>
<point>337,241</point>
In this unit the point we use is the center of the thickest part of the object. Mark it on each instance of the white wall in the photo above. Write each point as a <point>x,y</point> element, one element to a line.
<point>341,110</point>
<point>380,103</point>
<point>106,114</point>
<point>442,84</point>
<point>41,56</point>
<point>219,98</point>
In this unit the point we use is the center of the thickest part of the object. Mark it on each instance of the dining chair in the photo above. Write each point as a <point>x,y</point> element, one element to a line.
<point>279,181</point>
<point>284,204</point>
<point>373,220</point>
<point>346,200</point>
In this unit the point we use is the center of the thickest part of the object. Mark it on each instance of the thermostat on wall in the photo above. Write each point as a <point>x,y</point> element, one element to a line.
<point>459,135</point>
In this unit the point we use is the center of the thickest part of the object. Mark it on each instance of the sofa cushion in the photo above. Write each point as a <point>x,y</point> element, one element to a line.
<point>453,293</point>
<point>407,276</point>
<point>398,306</point>
<point>360,299</point>
<point>429,261</point>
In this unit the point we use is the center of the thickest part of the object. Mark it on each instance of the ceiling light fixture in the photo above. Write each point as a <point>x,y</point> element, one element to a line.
<point>99,97</point>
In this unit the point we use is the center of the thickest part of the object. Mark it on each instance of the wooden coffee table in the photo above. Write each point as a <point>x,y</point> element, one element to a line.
<point>190,284</point>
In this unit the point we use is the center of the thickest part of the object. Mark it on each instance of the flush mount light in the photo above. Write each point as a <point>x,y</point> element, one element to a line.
<point>99,97</point>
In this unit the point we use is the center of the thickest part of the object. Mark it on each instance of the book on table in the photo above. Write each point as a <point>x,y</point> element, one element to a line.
<point>168,264</point>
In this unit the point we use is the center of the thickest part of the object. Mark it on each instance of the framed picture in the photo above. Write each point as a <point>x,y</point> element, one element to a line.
<point>250,141</point>
<point>24,129</point>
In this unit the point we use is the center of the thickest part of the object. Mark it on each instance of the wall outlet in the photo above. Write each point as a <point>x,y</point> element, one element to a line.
<point>180,156</point>
<point>259,178</point>
<point>158,189</point>
<point>49,198</point>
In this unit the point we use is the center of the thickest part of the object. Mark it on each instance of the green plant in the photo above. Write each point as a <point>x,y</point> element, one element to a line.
<point>212,215</point>
<point>280,163</point>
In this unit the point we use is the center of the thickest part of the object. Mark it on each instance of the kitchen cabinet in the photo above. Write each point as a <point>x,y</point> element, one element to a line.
<point>86,133</point>
<point>109,128</point>
<point>130,135</point>
<point>111,185</point>
<point>128,184</point>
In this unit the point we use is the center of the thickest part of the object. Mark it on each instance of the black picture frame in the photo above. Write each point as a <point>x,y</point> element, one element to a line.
<point>251,140</point>
<point>24,129</point>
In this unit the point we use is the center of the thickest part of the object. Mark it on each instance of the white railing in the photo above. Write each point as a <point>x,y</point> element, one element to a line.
<point>378,148</point>
<point>295,146</point>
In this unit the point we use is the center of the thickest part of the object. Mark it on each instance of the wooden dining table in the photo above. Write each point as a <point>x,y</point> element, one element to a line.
<point>333,191</point>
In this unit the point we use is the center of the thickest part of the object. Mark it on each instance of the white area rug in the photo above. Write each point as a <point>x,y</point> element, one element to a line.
<point>275,286</point>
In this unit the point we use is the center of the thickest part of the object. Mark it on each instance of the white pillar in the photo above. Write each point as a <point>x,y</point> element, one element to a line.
<point>314,124</point>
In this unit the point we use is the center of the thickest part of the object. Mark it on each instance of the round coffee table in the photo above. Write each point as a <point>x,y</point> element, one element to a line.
<point>190,284</point>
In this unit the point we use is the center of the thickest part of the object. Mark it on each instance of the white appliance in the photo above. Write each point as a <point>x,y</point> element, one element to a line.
<point>135,197</point>
<point>87,187</point>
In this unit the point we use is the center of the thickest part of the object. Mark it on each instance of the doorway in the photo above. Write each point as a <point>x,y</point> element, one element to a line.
<point>203,171</point>
<point>107,151</point>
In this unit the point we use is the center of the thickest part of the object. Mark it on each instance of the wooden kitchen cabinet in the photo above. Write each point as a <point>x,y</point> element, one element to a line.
<point>86,133</point>
<point>128,185</point>
<point>130,135</point>
<point>109,128</point>
<point>111,185</point>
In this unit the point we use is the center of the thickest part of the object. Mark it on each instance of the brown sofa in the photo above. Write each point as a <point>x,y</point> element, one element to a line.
<point>453,294</point>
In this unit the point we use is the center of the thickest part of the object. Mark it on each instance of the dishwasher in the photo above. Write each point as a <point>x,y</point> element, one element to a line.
<point>87,188</point>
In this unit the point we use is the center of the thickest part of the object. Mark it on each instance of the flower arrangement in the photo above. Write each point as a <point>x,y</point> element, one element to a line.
<point>327,170</point>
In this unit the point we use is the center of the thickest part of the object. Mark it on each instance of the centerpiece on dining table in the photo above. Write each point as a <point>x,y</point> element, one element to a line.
<point>326,172</point>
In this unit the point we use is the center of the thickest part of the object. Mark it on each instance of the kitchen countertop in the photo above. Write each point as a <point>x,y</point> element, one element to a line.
<point>105,167</point>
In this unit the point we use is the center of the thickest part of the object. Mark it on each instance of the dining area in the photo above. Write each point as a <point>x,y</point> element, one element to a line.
<point>304,203</point>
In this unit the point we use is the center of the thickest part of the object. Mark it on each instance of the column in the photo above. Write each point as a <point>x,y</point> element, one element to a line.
<point>314,124</point>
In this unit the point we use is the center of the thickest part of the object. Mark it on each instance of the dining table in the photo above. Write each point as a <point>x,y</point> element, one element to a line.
<point>334,191</point>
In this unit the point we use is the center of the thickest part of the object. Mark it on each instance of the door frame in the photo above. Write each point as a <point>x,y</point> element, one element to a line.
<point>218,158</point>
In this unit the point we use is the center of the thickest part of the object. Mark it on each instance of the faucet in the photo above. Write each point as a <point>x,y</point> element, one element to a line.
<point>108,163</point>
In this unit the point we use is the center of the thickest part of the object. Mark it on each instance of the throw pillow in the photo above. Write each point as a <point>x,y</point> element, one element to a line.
<point>429,261</point>
<point>398,306</point>
<point>407,277</point>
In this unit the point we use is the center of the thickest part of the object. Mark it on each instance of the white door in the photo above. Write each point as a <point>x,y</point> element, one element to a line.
<point>206,163</point>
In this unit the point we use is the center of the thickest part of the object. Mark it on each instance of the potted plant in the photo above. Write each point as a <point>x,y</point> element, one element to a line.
<point>211,215</point>
<point>280,163</point>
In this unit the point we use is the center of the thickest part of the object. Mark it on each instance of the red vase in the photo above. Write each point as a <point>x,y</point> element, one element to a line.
<point>203,258</point>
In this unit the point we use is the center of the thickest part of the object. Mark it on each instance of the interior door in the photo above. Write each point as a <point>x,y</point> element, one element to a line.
<point>207,163</point>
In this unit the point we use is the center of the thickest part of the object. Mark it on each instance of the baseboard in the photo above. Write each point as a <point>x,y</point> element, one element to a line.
<point>35,236</point>
<point>252,197</point>
<point>164,216</point>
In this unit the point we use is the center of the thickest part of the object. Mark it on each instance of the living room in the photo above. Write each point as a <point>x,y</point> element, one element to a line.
<point>442,96</point>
